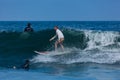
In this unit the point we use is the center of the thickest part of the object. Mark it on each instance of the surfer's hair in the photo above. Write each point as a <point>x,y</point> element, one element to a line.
<point>29,24</point>
<point>56,27</point>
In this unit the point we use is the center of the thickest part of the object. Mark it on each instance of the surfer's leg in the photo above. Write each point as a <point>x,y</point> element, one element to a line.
<point>60,42</point>
<point>62,46</point>
<point>56,43</point>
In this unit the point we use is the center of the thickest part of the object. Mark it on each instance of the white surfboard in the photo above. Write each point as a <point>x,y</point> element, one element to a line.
<point>51,53</point>
<point>41,53</point>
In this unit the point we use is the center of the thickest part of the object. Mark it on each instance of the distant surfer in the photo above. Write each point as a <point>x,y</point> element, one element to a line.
<point>60,36</point>
<point>28,28</point>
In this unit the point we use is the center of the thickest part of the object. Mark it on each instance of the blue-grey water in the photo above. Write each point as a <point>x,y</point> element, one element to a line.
<point>92,50</point>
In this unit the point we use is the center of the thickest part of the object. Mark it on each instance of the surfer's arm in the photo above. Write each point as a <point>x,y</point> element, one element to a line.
<point>53,38</point>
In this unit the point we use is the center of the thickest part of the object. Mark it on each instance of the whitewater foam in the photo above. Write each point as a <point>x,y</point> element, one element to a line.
<point>100,38</point>
<point>42,58</point>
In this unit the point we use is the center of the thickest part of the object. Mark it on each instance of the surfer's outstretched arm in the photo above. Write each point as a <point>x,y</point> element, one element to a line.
<point>53,38</point>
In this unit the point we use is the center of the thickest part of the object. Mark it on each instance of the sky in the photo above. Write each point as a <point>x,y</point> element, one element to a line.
<point>59,10</point>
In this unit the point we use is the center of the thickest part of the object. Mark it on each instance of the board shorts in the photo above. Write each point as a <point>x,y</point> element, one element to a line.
<point>60,40</point>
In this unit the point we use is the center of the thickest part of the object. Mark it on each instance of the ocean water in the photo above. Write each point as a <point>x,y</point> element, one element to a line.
<point>92,50</point>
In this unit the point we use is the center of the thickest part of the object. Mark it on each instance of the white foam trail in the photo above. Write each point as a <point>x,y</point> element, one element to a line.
<point>42,58</point>
<point>102,57</point>
<point>48,57</point>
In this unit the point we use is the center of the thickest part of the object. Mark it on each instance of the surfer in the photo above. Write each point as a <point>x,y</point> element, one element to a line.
<point>60,36</point>
<point>28,28</point>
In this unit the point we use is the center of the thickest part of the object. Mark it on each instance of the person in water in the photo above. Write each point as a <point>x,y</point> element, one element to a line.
<point>26,65</point>
<point>28,28</point>
<point>60,36</point>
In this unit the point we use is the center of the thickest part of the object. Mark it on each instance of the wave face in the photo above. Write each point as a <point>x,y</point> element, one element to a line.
<point>81,46</point>
<point>87,46</point>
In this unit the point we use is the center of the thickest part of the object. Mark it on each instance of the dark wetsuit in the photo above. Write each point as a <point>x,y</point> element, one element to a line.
<point>28,29</point>
<point>26,65</point>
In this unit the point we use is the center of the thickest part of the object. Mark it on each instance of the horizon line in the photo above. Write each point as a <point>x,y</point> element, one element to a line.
<point>60,20</point>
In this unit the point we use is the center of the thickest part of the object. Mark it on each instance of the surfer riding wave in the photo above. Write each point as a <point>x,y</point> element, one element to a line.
<point>60,40</point>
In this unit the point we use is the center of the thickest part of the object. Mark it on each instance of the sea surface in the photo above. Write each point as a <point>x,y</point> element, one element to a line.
<point>92,50</point>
